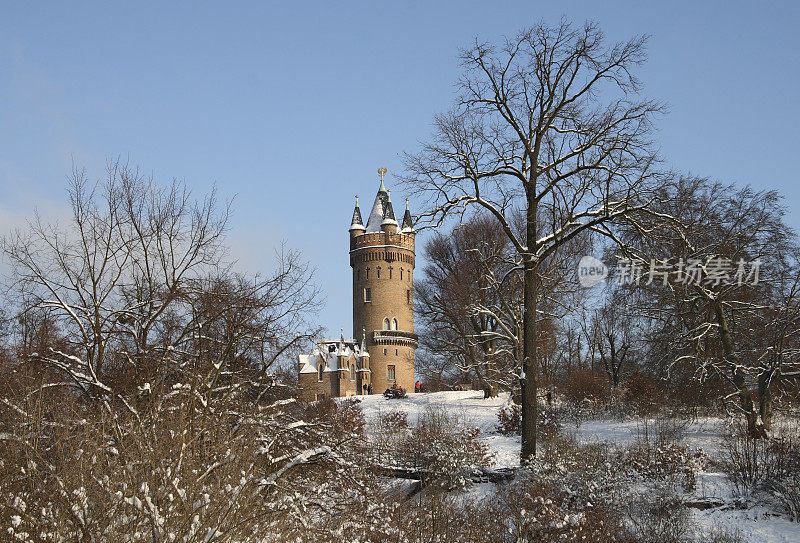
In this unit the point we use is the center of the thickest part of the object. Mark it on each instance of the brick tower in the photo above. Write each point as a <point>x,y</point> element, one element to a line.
<point>382,258</point>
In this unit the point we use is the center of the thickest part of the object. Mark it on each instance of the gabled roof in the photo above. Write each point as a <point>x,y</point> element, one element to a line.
<point>328,352</point>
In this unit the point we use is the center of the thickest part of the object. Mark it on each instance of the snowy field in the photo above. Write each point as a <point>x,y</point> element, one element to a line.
<point>756,522</point>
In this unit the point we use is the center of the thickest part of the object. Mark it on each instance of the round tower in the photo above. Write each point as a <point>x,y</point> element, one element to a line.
<point>382,258</point>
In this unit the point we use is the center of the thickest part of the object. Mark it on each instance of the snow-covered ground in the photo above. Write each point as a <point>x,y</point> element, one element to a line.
<point>755,523</point>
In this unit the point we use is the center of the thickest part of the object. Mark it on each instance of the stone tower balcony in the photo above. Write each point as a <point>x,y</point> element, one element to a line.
<point>395,337</point>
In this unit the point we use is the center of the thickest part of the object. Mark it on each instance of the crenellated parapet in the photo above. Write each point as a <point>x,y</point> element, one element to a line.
<point>382,246</point>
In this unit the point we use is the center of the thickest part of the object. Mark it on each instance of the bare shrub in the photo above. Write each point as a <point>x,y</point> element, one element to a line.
<point>721,534</point>
<point>643,393</point>
<point>657,515</point>
<point>394,420</point>
<point>509,420</point>
<point>661,431</point>
<point>197,465</point>
<point>769,465</point>
<point>583,385</point>
<point>658,455</point>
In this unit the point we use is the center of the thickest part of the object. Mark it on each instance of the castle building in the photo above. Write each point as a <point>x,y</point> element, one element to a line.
<point>382,258</point>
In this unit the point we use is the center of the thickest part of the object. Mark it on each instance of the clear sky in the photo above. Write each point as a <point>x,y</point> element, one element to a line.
<point>291,107</point>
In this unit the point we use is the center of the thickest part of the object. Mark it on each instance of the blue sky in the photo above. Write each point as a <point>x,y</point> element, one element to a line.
<point>291,107</point>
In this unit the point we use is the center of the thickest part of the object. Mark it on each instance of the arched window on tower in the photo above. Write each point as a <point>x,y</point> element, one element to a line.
<point>320,369</point>
<point>352,372</point>
<point>386,324</point>
<point>394,324</point>
<point>378,272</point>
<point>367,274</point>
<point>401,274</point>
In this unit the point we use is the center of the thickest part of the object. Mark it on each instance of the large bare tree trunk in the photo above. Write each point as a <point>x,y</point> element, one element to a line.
<point>755,427</point>
<point>529,360</point>
<point>765,400</point>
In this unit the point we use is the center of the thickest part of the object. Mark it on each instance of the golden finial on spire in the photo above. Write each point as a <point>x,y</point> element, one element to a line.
<point>382,171</point>
<point>356,200</point>
<point>406,203</point>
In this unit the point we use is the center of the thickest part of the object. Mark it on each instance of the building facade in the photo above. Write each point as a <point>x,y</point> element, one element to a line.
<point>382,258</point>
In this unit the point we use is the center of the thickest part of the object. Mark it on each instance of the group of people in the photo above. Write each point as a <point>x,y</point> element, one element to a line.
<point>418,387</point>
<point>395,392</point>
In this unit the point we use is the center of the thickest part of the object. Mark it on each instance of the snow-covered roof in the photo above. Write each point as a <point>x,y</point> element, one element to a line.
<point>357,223</point>
<point>408,222</point>
<point>378,212</point>
<point>328,352</point>
<point>382,214</point>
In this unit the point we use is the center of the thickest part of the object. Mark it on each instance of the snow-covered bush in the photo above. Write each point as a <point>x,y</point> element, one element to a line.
<point>637,482</point>
<point>509,421</point>
<point>531,510</point>
<point>199,463</point>
<point>446,452</point>
<point>394,421</point>
<point>658,455</point>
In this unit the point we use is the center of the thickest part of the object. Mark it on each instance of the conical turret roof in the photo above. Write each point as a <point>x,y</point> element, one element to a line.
<point>388,211</point>
<point>357,223</point>
<point>408,222</point>
<point>378,212</point>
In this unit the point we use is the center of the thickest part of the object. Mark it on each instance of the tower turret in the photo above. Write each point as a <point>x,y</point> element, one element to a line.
<point>389,223</point>
<point>408,222</point>
<point>357,224</point>
<point>382,257</point>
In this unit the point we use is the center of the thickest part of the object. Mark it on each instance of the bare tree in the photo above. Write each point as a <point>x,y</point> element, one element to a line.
<point>138,401</point>
<point>469,304</point>
<point>720,279</point>
<point>611,336</point>
<point>548,125</point>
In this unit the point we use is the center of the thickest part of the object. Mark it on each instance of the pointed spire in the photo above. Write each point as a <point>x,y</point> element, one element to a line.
<point>364,342</point>
<point>408,222</point>
<point>340,347</point>
<point>378,208</point>
<point>357,223</point>
<point>382,171</point>
<point>388,211</point>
